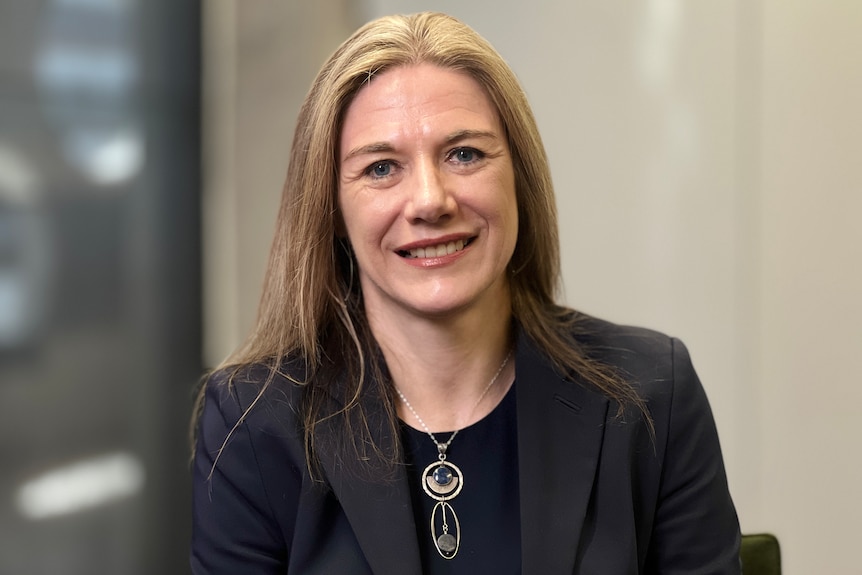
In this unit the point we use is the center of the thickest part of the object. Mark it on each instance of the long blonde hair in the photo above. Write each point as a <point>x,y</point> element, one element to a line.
<point>311,307</point>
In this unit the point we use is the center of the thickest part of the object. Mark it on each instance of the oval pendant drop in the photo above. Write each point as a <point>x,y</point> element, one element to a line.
<point>446,543</point>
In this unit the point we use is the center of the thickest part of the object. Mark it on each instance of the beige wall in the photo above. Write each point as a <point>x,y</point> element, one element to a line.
<point>810,291</point>
<point>259,60</point>
<point>706,161</point>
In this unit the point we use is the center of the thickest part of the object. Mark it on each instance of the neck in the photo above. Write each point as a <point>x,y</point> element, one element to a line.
<point>443,366</point>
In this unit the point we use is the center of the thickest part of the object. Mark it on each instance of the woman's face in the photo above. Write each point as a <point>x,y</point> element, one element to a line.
<point>427,194</point>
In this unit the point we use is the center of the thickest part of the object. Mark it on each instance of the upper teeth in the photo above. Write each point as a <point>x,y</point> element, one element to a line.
<point>438,250</point>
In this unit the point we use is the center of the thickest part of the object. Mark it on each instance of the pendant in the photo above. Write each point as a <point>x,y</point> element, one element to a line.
<point>443,481</point>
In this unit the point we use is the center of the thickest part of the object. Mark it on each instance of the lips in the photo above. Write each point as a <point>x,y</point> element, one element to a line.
<point>436,251</point>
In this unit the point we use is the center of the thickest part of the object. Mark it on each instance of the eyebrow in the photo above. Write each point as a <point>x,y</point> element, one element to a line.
<point>453,138</point>
<point>374,148</point>
<point>460,135</point>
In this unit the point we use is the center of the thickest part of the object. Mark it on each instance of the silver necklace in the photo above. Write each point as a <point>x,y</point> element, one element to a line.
<point>442,480</point>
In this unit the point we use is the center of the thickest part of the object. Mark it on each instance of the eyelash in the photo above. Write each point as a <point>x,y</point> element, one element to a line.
<point>450,156</point>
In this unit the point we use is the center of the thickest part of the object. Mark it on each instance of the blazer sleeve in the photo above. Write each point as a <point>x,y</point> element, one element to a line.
<point>696,529</point>
<point>235,529</point>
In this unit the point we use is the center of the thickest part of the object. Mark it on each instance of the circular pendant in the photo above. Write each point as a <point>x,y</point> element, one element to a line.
<point>446,543</point>
<point>442,480</point>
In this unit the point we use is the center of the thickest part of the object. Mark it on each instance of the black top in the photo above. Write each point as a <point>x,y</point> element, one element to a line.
<point>487,506</point>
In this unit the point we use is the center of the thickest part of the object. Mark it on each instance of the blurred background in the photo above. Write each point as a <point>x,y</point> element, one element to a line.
<point>707,158</point>
<point>100,296</point>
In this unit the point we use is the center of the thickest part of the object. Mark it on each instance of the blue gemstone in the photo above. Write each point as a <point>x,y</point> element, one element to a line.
<point>442,475</point>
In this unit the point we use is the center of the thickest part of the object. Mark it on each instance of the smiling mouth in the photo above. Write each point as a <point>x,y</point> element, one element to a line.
<point>437,251</point>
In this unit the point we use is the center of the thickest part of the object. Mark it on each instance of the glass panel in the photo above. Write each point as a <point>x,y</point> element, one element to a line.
<point>99,283</point>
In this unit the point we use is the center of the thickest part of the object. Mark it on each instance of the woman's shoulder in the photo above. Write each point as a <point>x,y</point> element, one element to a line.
<point>248,465</point>
<point>620,343</point>
<point>250,416</point>
<point>649,359</point>
<point>599,333</point>
<point>259,393</point>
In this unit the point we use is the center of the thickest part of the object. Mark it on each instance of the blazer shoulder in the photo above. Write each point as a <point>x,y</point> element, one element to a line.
<point>256,392</point>
<point>653,362</point>
<point>256,402</point>
<point>618,343</point>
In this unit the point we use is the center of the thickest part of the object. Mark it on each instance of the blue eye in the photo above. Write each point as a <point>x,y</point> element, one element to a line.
<point>465,155</point>
<point>381,169</point>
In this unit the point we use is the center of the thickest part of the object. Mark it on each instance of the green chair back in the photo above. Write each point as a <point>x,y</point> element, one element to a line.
<point>760,555</point>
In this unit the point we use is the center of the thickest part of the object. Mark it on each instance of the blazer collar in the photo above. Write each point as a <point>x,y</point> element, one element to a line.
<point>560,432</point>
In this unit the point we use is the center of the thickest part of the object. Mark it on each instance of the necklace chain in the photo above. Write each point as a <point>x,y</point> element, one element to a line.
<point>443,480</point>
<point>442,447</point>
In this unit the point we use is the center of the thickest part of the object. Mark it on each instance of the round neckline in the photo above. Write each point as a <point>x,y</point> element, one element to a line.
<point>446,433</point>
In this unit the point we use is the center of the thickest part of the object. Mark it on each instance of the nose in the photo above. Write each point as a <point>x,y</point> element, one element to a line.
<point>429,198</point>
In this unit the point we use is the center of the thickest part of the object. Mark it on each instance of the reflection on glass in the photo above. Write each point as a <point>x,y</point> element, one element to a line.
<point>80,486</point>
<point>107,157</point>
<point>23,251</point>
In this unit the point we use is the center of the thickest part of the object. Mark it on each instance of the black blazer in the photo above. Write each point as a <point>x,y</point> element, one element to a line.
<point>598,495</point>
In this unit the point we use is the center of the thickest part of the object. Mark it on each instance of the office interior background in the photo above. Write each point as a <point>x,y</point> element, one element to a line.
<point>707,158</point>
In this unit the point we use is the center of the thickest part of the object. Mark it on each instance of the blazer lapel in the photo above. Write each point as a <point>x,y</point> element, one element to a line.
<point>380,512</point>
<point>381,515</point>
<point>560,432</point>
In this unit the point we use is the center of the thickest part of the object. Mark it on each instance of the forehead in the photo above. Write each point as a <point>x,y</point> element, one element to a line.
<point>412,99</point>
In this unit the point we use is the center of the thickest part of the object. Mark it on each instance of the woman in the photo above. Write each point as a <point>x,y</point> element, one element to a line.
<point>412,399</point>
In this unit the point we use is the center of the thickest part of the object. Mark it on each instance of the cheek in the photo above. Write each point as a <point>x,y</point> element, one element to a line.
<point>350,214</point>
<point>508,204</point>
<point>363,219</point>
